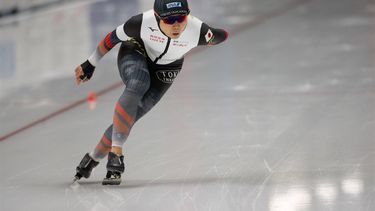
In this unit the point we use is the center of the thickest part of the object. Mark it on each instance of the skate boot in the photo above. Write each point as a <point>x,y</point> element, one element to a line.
<point>115,167</point>
<point>85,167</point>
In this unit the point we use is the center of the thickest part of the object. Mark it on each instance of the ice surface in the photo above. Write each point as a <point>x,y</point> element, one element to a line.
<point>279,117</point>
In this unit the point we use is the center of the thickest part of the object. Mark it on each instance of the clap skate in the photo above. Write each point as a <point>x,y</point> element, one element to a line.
<point>115,167</point>
<point>85,167</point>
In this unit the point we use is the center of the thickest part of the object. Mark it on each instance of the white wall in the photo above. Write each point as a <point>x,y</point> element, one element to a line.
<point>7,4</point>
<point>22,4</point>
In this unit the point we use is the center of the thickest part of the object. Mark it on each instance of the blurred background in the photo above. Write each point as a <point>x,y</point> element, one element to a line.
<point>279,117</point>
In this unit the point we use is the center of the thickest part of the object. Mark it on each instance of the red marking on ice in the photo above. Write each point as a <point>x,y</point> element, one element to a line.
<point>92,100</point>
<point>61,111</point>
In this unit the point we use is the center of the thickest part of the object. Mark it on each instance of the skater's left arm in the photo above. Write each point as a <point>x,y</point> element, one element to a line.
<point>211,36</point>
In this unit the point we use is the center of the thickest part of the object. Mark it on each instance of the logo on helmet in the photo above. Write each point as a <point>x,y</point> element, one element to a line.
<point>174,5</point>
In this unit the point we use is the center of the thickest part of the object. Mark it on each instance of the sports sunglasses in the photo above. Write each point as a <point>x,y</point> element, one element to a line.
<point>172,19</point>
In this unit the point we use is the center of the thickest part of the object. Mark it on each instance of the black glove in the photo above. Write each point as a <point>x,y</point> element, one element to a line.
<point>88,70</point>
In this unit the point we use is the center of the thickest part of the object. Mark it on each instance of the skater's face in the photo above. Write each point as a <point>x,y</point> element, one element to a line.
<point>173,26</point>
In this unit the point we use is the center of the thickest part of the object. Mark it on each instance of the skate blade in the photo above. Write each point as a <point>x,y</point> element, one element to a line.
<point>111,181</point>
<point>75,179</point>
<point>75,185</point>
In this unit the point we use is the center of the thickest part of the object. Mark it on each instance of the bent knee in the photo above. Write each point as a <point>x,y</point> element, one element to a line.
<point>138,86</point>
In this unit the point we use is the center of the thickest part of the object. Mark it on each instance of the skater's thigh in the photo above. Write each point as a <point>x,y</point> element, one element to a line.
<point>149,100</point>
<point>134,70</point>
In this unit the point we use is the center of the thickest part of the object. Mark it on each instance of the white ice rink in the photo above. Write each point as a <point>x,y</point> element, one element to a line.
<point>280,117</point>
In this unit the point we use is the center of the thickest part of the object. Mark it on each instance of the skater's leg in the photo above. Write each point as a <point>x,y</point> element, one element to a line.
<point>134,72</point>
<point>135,75</point>
<point>149,100</point>
<point>104,146</point>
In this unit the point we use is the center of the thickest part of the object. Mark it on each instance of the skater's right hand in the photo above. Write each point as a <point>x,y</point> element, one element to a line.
<point>84,72</point>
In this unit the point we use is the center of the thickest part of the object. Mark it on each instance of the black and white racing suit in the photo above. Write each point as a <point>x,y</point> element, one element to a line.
<point>148,63</point>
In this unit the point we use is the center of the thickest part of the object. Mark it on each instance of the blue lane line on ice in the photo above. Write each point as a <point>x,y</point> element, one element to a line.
<point>238,29</point>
